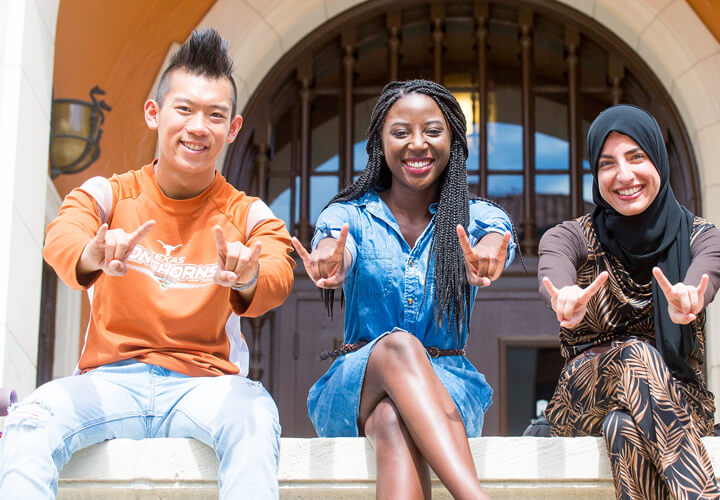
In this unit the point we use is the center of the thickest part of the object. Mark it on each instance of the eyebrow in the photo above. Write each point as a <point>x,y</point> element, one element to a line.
<point>440,122</point>
<point>629,152</point>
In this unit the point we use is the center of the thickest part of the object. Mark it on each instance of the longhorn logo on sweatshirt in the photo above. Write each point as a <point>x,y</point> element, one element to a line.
<point>169,248</point>
<point>170,271</point>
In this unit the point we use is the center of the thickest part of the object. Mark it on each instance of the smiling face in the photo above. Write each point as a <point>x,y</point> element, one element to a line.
<point>627,180</point>
<point>416,142</point>
<point>193,123</point>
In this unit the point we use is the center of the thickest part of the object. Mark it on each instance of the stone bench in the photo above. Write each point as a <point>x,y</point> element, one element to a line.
<point>341,468</point>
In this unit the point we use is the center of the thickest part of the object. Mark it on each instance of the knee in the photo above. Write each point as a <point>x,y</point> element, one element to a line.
<point>255,411</point>
<point>33,414</point>
<point>639,352</point>
<point>32,422</point>
<point>401,347</point>
<point>385,423</point>
<point>641,362</point>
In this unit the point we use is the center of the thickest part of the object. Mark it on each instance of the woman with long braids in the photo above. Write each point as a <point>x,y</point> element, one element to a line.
<point>629,283</point>
<point>410,249</point>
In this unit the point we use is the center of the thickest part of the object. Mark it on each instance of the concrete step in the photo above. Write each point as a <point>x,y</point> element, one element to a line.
<point>340,468</point>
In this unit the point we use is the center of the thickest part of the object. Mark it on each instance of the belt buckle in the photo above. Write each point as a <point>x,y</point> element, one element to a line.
<point>433,351</point>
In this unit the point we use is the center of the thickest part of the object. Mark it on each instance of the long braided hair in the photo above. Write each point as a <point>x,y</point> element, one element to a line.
<point>452,290</point>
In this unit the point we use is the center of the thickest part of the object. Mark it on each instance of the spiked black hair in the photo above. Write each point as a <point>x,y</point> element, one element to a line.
<point>205,53</point>
<point>452,290</point>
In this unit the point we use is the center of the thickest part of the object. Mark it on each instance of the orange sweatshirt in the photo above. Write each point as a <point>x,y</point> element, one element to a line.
<point>166,310</point>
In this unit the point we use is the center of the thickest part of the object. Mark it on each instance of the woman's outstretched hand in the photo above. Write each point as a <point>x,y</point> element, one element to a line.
<point>570,302</point>
<point>685,302</point>
<point>484,263</point>
<point>328,263</point>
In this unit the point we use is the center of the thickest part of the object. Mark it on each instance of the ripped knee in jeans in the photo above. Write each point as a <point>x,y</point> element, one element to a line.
<point>28,413</point>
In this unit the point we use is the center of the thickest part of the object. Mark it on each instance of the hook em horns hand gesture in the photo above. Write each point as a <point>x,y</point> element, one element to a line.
<point>485,262</point>
<point>328,263</point>
<point>685,302</point>
<point>109,249</point>
<point>570,302</point>
<point>238,265</point>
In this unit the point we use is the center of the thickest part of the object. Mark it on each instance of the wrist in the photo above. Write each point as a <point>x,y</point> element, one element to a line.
<point>238,287</point>
<point>85,264</point>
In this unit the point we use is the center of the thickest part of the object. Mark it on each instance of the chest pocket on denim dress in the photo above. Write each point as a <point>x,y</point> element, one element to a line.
<point>376,271</point>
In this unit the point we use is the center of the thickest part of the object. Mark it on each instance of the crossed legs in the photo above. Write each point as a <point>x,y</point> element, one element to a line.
<point>653,441</point>
<point>412,422</point>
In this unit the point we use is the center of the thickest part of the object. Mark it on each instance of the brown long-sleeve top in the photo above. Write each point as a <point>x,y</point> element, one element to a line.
<point>570,254</point>
<point>166,309</point>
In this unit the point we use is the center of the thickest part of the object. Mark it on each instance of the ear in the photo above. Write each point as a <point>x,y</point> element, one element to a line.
<point>152,110</point>
<point>235,126</point>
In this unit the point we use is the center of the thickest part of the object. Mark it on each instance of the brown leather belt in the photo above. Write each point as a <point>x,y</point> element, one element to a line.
<point>433,351</point>
<point>599,349</point>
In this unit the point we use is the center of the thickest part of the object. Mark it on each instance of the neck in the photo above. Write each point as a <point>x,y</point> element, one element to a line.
<point>412,204</point>
<point>181,185</point>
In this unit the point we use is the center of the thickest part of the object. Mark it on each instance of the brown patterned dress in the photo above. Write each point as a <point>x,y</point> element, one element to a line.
<point>652,423</point>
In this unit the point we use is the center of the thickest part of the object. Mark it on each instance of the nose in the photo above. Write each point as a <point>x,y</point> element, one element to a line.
<point>417,142</point>
<point>197,124</point>
<point>625,172</point>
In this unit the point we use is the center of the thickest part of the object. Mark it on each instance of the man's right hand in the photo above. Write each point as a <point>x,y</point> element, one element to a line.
<point>329,262</point>
<point>570,302</point>
<point>109,249</point>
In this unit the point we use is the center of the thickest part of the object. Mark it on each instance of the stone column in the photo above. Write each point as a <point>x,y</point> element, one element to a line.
<point>27,51</point>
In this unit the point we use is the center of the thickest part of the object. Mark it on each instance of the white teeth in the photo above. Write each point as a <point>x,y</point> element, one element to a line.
<point>194,147</point>
<point>417,164</point>
<point>628,192</point>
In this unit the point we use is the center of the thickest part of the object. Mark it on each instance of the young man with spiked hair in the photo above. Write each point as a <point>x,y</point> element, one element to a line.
<point>174,255</point>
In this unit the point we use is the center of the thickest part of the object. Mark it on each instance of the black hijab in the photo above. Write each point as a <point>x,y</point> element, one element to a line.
<point>659,236</point>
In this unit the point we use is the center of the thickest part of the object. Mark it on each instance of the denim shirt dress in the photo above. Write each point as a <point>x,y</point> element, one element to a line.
<point>384,291</point>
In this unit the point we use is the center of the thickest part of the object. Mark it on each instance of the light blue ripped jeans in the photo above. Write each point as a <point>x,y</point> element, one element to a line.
<point>133,400</point>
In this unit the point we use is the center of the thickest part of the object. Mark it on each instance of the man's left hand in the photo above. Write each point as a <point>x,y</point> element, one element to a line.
<point>237,263</point>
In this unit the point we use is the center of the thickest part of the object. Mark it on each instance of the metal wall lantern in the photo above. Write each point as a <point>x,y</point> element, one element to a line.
<point>75,131</point>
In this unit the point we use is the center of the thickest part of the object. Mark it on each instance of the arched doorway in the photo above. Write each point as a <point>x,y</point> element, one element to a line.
<point>531,76</point>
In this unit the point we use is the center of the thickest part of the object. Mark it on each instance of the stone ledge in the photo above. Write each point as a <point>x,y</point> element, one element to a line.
<point>341,468</point>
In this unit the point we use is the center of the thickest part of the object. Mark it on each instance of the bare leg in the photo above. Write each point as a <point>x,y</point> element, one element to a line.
<point>402,472</point>
<point>399,369</point>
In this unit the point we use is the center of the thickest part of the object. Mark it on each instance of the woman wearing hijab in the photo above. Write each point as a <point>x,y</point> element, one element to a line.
<point>629,283</point>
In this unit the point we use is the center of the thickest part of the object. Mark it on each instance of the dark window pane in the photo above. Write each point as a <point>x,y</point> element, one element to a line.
<point>552,184</point>
<point>360,156</point>
<point>322,189</point>
<point>551,153</point>
<point>504,131</point>
<point>504,185</point>
<point>587,189</point>
<point>363,109</point>
<point>549,51</point>
<point>552,149</point>
<point>532,373</point>
<point>329,165</point>
<point>474,184</point>
<point>473,142</point>
<point>325,139</point>
<point>552,201</point>
<point>279,198</point>
<point>506,190</point>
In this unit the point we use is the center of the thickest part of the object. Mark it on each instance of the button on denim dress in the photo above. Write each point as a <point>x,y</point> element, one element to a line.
<point>385,290</point>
